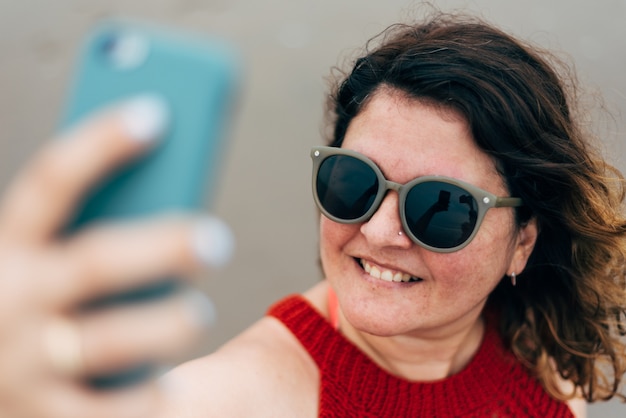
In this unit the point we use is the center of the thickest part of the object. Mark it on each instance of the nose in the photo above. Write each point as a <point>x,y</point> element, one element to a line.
<point>384,228</point>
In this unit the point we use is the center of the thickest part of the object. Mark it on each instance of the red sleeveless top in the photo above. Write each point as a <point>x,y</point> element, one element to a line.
<point>494,384</point>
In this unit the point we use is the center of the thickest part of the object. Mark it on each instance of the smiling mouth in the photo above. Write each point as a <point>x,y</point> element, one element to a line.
<point>386,274</point>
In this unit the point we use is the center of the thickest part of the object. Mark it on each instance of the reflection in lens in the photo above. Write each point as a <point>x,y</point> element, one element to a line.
<point>346,187</point>
<point>439,214</point>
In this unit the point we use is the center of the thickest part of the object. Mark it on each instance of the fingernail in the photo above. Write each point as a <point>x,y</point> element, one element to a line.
<point>146,117</point>
<point>202,308</point>
<point>213,242</point>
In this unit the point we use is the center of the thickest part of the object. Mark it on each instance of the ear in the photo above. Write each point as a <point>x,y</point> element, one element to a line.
<point>525,243</point>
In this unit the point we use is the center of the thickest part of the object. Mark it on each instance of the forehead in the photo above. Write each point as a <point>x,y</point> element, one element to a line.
<point>407,138</point>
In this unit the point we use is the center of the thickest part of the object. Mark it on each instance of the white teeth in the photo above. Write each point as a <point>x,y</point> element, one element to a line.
<point>374,272</point>
<point>386,275</point>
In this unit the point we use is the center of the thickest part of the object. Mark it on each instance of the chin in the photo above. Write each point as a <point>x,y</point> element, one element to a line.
<point>375,319</point>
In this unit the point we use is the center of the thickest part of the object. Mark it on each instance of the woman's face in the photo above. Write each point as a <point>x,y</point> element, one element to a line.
<point>407,138</point>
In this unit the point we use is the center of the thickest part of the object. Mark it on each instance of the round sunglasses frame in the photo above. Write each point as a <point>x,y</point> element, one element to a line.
<point>483,198</point>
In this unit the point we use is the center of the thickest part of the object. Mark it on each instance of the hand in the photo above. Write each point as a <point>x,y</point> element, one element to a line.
<point>48,345</point>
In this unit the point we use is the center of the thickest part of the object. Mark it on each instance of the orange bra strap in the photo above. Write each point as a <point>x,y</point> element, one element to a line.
<point>333,308</point>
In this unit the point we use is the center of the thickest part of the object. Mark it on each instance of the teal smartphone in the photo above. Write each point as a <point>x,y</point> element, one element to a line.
<point>198,79</point>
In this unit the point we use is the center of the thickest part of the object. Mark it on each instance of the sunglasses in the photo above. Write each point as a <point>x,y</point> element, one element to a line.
<point>439,213</point>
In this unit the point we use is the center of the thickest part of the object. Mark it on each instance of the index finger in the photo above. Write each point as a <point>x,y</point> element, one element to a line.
<point>46,191</point>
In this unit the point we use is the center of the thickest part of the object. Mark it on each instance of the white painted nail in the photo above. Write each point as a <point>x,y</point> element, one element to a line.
<point>213,242</point>
<point>145,118</point>
<point>202,308</point>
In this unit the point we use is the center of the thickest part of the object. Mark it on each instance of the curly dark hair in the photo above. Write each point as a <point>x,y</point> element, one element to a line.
<point>567,312</point>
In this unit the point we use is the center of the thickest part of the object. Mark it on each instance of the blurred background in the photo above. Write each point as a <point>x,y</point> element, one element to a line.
<point>289,47</point>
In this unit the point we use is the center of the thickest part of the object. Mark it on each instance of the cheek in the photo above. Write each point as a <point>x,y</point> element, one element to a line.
<point>479,267</point>
<point>463,280</point>
<point>483,263</point>
<point>498,235</point>
<point>336,242</point>
<point>333,237</point>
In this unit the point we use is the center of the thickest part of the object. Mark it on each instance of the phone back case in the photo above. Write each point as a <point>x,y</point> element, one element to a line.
<point>198,79</point>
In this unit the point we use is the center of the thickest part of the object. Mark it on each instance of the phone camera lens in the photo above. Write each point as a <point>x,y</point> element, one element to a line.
<point>124,50</point>
<point>107,44</point>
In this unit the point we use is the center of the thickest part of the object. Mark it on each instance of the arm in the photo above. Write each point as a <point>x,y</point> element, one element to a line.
<point>578,407</point>
<point>263,372</point>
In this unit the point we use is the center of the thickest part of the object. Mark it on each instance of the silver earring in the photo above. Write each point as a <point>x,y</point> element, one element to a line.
<point>400,233</point>
<point>513,279</point>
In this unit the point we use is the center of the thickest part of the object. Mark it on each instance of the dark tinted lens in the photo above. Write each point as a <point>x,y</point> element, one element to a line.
<point>440,214</point>
<point>346,187</point>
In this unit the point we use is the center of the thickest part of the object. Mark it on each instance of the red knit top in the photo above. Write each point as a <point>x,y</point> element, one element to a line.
<point>494,384</point>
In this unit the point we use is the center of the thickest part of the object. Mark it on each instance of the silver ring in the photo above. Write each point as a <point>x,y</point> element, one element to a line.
<point>63,346</point>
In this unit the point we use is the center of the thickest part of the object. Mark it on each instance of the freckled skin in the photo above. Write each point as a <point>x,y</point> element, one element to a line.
<point>406,139</point>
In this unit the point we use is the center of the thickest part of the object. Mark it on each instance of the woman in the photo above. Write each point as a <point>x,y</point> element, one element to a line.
<point>472,242</point>
<point>458,310</point>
